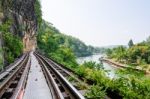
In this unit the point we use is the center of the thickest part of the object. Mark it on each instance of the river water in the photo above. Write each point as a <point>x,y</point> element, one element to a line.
<point>108,67</point>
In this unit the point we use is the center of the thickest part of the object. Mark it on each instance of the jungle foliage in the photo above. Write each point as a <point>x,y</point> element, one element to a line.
<point>127,85</point>
<point>12,44</point>
<point>64,49</point>
<point>77,46</point>
<point>51,42</point>
<point>134,55</point>
<point>13,28</point>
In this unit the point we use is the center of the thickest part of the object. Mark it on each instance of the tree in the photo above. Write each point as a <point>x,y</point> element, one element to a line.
<point>109,52</point>
<point>120,53</point>
<point>130,44</point>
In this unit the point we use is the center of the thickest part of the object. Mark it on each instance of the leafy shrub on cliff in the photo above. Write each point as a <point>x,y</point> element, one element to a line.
<point>12,46</point>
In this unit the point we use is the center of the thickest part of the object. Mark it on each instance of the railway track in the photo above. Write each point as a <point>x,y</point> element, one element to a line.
<point>13,79</point>
<point>12,65</point>
<point>57,81</point>
<point>69,74</point>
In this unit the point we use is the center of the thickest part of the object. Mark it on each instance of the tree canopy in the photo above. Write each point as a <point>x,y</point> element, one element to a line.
<point>130,44</point>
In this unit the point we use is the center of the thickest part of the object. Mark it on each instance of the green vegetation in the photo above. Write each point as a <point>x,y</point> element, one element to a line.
<point>95,92</point>
<point>132,84</point>
<point>12,46</point>
<point>48,31</point>
<point>51,42</point>
<point>64,49</point>
<point>38,12</point>
<point>119,53</point>
<point>127,85</point>
<point>14,17</point>
<point>92,65</point>
<point>130,44</point>
<point>61,47</point>
<point>135,55</point>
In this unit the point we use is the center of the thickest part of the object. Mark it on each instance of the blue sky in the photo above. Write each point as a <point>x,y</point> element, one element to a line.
<point>100,22</point>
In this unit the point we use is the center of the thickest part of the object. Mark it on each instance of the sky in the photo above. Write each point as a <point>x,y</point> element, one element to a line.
<point>100,22</point>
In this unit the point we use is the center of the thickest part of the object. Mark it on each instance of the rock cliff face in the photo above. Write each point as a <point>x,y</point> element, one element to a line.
<point>22,14</point>
<point>1,17</point>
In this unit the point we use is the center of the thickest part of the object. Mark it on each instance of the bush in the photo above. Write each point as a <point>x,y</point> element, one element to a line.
<point>81,71</point>
<point>92,65</point>
<point>95,92</point>
<point>13,46</point>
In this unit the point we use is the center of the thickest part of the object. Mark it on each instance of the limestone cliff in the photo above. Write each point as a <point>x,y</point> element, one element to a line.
<point>22,13</point>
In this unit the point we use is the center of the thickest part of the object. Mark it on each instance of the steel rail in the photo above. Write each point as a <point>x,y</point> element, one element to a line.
<point>70,90</point>
<point>67,73</point>
<point>56,94</point>
<point>11,67</point>
<point>65,70</point>
<point>18,93</point>
<point>11,76</point>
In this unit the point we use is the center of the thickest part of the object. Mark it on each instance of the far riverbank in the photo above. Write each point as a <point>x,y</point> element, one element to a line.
<point>116,64</point>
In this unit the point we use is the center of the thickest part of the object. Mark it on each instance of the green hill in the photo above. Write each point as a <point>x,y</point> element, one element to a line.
<point>48,31</point>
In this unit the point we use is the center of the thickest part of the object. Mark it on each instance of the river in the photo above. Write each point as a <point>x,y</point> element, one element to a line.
<point>108,67</point>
